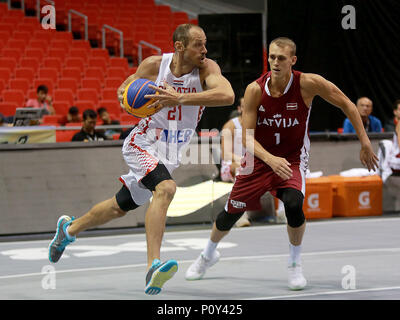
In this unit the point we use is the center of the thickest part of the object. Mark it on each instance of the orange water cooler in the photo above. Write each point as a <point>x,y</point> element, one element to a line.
<point>356,196</point>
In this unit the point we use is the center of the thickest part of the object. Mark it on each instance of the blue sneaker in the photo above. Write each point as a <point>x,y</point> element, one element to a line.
<point>61,239</point>
<point>158,274</point>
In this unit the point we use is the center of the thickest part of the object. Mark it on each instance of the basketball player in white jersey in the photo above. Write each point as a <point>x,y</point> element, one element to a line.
<point>231,146</point>
<point>152,149</point>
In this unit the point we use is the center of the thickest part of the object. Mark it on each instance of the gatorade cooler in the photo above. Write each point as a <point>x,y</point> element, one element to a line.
<point>318,198</point>
<point>357,196</point>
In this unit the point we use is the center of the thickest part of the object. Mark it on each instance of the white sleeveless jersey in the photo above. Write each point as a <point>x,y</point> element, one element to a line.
<point>164,134</point>
<point>238,147</point>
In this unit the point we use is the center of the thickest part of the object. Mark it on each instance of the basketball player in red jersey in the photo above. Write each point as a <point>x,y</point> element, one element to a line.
<point>275,128</point>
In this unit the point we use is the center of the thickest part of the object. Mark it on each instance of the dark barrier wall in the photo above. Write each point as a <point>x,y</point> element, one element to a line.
<point>361,61</point>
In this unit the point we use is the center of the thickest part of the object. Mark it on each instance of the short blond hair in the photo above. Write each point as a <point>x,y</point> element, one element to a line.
<point>285,42</point>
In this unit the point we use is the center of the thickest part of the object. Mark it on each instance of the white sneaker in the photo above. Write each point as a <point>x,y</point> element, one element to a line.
<point>296,279</point>
<point>198,268</point>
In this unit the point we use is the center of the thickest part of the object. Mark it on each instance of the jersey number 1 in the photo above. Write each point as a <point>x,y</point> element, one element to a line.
<point>172,113</point>
<point>277,138</point>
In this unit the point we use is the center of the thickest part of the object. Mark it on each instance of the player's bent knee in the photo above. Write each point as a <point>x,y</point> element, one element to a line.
<point>293,201</point>
<point>294,214</point>
<point>225,221</point>
<point>166,189</point>
<point>123,202</point>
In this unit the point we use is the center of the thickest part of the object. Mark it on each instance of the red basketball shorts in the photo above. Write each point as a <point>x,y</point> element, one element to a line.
<point>248,188</point>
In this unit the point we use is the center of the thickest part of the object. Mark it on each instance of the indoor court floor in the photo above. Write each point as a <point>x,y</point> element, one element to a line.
<point>346,258</point>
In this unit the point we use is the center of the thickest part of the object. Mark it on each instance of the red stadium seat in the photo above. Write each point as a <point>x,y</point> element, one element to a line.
<point>22,35</point>
<point>68,83</point>
<point>98,62</point>
<point>65,136</point>
<point>9,63</point>
<point>51,73</point>
<point>29,63</point>
<point>16,44</point>
<point>8,108</point>
<point>57,53</point>
<point>60,44</point>
<point>10,52</point>
<point>113,82</point>
<point>34,53</point>
<point>117,73</point>
<point>81,44</point>
<point>14,96</point>
<point>87,94</point>
<point>98,52</point>
<point>2,85</point>
<point>119,63</point>
<point>91,83</point>
<point>83,105</point>
<point>112,106</point>
<point>94,72</point>
<point>63,35</point>
<point>27,73</point>
<point>39,44</point>
<point>52,119</point>
<point>19,84</point>
<point>5,74</point>
<point>75,62</point>
<point>79,53</point>
<point>61,107</point>
<point>51,62</point>
<point>64,95</point>
<point>75,73</point>
<point>7,27</point>
<point>109,94</point>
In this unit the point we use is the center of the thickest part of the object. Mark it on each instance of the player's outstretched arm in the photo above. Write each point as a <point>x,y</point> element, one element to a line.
<point>252,99</point>
<point>218,91</point>
<point>314,84</point>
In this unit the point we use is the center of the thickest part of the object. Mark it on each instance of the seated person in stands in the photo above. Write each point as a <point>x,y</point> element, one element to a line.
<point>371,123</point>
<point>107,121</point>
<point>72,116</point>
<point>389,155</point>
<point>88,132</point>
<point>43,100</point>
<point>390,126</point>
<point>3,121</point>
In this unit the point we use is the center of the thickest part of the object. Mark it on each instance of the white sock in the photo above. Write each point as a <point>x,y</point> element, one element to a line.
<point>294,254</point>
<point>209,249</point>
<point>67,233</point>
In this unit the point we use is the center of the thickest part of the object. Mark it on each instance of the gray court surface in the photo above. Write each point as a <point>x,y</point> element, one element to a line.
<point>342,259</point>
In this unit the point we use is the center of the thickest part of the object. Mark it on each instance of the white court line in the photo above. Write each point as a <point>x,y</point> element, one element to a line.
<point>310,223</point>
<point>324,293</point>
<point>270,256</point>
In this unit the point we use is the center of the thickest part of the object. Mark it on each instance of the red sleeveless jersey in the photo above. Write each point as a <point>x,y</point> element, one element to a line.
<point>282,123</point>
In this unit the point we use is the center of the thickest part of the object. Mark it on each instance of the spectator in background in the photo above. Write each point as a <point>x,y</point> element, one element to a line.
<point>107,121</point>
<point>371,123</point>
<point>231,145</point>
<point>72,116</point>
<point>232,151</point>
<point>43,100</point>
<point>3,122</point>
<point>88,132</point>
<point>390,126</point>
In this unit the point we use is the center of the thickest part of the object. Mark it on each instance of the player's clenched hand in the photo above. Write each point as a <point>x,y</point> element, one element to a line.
<point>281,167</point>
<point>368,157</point>
<point>167,97</point>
